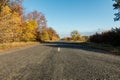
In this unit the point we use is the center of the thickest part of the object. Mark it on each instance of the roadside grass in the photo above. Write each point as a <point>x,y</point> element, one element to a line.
<point>106,47</point>
<point>14,45</point>
<point>51,40</point>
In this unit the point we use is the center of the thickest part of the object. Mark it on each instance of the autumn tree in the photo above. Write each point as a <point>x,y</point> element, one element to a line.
<point>43,22</point>
<point>35,15</point>
<point>9,25</point>
<point>45,36</point>
<point>75,35</point>
<point>10,20</point>
<point>52,34</point>
<point>29,31</point>
<point>15,26</point>
<point>40,19</point>
<point>4,3</point>
<point>17,7</point>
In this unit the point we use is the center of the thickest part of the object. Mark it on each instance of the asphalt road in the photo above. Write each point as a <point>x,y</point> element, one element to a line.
<point>69,62</point>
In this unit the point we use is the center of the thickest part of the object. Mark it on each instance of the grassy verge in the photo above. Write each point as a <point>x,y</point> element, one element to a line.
<point>9,46</point>
<point>105,47</point>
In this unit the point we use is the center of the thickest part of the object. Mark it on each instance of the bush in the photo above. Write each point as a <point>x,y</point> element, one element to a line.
<point>111,37</point>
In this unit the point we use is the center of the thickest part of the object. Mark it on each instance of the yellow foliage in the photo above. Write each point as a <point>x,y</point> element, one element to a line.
<point>29,31</point>
<point>14,28</point>
<point>5,11</point>
<point>9,25</point>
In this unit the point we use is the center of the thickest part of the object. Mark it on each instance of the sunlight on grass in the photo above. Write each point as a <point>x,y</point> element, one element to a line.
<point>7,46</point>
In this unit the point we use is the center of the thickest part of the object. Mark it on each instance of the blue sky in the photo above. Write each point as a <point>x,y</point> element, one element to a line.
<point>86,16</point>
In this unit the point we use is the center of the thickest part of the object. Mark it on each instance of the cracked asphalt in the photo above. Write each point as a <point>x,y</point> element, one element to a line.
<point>72,62</point>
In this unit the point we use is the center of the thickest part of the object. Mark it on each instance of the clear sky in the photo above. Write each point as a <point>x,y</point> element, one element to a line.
<point>86,16</point>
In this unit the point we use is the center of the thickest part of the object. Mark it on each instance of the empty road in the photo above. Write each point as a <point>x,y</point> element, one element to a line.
<point>59,61</point>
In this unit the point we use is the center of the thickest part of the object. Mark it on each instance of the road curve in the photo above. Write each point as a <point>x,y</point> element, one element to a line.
<point>71,62</point>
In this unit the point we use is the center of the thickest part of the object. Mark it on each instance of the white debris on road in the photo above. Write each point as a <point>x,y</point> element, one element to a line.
<point>58,49</point>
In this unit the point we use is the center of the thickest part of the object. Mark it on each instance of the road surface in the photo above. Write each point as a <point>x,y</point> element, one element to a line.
<point>69,62</point>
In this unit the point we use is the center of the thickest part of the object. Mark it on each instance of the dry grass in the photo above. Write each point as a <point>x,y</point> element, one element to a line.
<point>14,45</point>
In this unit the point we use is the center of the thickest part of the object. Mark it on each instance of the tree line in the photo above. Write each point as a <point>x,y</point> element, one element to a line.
<point>75,36</point>
<point>17,26</point>
<point>112,36</point>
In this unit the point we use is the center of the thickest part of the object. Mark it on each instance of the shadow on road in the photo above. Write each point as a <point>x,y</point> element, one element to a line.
<point>76,46</point>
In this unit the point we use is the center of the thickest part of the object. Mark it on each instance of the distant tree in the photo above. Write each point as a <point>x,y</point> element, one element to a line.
<point>86,38</point>
<point>116,6</point>
<point>45,36</point>
<point>66,39</point>
<point>48,34</point>
<point>52,34</point>
<point>75,35</point>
